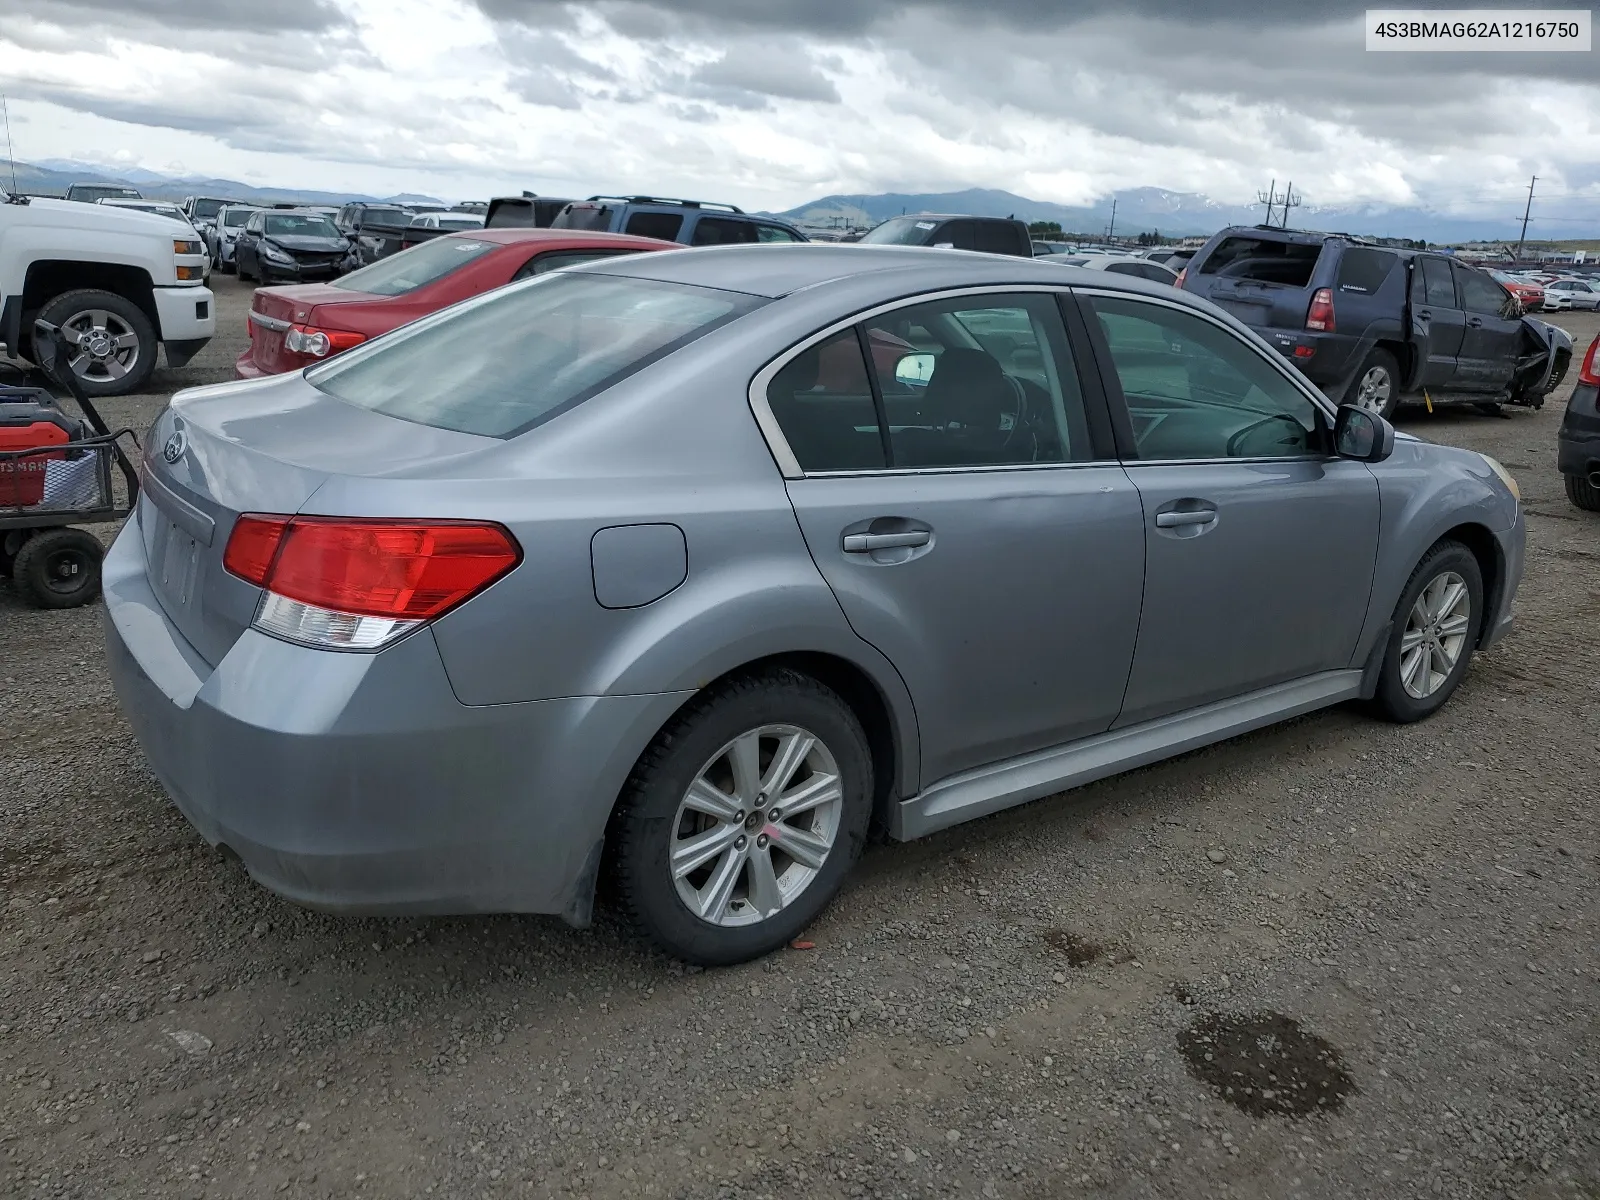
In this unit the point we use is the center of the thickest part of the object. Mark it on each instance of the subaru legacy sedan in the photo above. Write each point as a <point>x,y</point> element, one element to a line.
<point>665,567</point>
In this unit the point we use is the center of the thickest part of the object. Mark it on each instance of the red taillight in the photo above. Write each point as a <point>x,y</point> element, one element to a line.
<point>320,343</point>
<point>1589,373</point>
<point>357,583</point>
<point>1319,316</point>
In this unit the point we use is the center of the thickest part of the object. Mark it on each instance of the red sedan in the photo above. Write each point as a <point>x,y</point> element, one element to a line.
<point>297,325</point>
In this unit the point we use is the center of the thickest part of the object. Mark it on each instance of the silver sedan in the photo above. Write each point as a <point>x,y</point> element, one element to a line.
<point>689,568</point>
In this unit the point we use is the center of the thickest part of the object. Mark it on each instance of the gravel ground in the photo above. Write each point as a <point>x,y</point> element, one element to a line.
<point>1383,940</point>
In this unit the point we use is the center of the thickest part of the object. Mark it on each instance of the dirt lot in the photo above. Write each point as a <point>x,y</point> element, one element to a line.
<point>1336,958</point>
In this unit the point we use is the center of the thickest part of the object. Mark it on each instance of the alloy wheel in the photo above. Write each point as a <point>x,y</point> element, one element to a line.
<point>756,826</point>
<point>104,347</point>
<point>1373,392</point>
<point>1435,635</point>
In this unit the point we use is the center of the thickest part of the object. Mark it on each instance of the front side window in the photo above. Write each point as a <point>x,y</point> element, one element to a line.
<point>516,357</point>
<point>664,226</point>
<point>1437,286</point>
<point>900,231</point>
<point>416,267</point>
<point>1195,390</point>
<point>1481,294</point>
<point>254,224</point>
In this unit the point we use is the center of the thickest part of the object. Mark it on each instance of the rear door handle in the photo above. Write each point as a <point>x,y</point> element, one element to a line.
<point>1171,520</point>
<point>865,543</point>
<point>1476,322</point>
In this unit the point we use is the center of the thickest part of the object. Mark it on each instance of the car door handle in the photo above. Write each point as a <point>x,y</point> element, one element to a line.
<point>865,543</point>
<point>1172,520</point>
<point>1424,315</point>
<point>1476,323</point>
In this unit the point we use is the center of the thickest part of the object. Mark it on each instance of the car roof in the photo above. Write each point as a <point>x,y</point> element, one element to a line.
<point>561,239</point>
<point>778,270</point>
<point>949,217</point>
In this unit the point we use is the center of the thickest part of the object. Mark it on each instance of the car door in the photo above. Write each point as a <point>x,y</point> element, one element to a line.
<point>244,249</point>
<point>1437,321</point>
<point>974,529</point>
<point>1493,336</point>
<point>1259,545</point>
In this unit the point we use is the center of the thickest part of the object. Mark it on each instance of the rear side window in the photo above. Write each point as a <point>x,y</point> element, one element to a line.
<point>717,231</point>
<point>574,335</point>
<point>997,237</point>
<point>1363,271</point>
<point>1265,260</point>
<point>655,225</point>
<point>959,235</point>
<point>822,400</point>
<point>1436,284</point>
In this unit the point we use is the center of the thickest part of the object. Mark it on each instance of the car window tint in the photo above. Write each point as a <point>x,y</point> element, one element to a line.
<point>978,381</point>
<point>1479,293</point>
<point>1264,259</point>
<point>655,225</point>
<point>959,235</point>
<point>1363,271</point>
<point>774,233</point>
<point>997,237</point>
<point>718,231</point>
<point>1437,286</point>
<point>554,260</point>
<point>822,401</point>
<point>1197,391</point>
<point>574,335</point>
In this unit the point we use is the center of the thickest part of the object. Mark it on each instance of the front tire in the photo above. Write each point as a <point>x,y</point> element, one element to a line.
<point>742,819</point>
<point>1376,386</point>
<point>59,568</point>
<point>1582,493</point>
<point>1435,628</point>
<point>111,346</point>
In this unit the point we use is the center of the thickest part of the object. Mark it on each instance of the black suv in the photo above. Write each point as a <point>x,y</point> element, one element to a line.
<point>1578,442</point>
<point>992,235</point>
<point>1367,323</point>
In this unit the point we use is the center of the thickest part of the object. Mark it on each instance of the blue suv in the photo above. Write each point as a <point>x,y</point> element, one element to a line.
<point>689,222</point>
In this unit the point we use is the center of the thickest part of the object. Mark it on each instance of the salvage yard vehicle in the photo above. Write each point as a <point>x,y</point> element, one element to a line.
<point>88,193</point>
<point>121,286</point>
<point>1369,324</point>
<point>297,325</point>
<point>645,566</point>
<point>1576,293</point>
<point>374,230</point>
<point>527,211</point>
<point>202,210</point>
<point>223,233</point>
<point>1578,442</point>
<point>291,244</point>
<point>160,208</point>
<point>689,222</point>
<point>1139,268</point>
<point>992,235</point>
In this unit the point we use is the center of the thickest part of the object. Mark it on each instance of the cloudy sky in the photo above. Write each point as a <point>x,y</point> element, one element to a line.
<point>767,103</point>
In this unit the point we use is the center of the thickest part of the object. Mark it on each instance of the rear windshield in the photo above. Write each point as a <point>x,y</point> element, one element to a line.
<point>204,210</point>
<point>461,222</point>
<point>386,216</point>
<point>1265,260</point>
<point>901,231</point>
<point>92,192</point>
<point>500,365</point>
<point>238,216</point>
<point>411,269</point>
<point>1364,270</point>
<point>590,217</point>
<point>300,225</point>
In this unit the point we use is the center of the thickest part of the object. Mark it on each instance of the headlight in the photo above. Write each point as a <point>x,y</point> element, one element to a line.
<point>1505,478</point>
<point>275,254</point>
<point>184,246</point>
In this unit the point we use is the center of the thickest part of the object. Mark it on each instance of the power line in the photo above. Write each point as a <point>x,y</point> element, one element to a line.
<point>1270,199</point>
<point>1290,200</point>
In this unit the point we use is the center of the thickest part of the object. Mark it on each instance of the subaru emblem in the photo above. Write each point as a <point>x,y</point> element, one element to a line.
<point>174,448</point>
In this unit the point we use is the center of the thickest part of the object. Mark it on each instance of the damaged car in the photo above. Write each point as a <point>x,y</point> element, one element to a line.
<point>294,244</point>
<point>1376,326</point>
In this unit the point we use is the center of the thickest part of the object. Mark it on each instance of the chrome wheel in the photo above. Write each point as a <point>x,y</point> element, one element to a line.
<point>103,346</point>
<point>756,825</point>
<point>1374,390</point>
<point>1435,635</point>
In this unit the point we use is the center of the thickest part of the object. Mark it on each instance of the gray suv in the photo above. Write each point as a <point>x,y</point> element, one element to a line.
<point>689,567</point>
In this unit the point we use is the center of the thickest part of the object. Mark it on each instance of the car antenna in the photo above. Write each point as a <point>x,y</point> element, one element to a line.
<point>5,107</point>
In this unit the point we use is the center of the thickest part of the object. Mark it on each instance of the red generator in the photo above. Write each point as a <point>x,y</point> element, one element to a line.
<point>31,420</point>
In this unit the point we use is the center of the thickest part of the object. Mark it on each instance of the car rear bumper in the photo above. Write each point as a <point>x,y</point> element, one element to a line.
<point>1578,441</point>
<point>1324,358</point>
<point>357,782</point>
<point>245,367</point>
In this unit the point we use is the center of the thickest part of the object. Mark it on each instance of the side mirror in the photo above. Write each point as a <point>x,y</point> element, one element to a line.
<point>1361,434</point>
<point>914,370</point>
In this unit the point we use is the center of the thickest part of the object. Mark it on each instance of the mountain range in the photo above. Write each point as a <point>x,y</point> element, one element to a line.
<point>1138,210</point>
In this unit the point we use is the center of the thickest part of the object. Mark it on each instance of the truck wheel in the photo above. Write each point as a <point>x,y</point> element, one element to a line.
<point>1582,493</point>
<point>59,568</point>
<point>111,345</point>
<point>1376,386</point>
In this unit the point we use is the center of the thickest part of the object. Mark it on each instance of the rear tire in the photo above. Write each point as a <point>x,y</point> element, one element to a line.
<point>1582,493</point>
<point>1419,673</point>
<point>769,896</point>
<point>59,568</point>
<point>1376,386</point>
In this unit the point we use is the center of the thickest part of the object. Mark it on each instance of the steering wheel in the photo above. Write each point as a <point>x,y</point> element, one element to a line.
<point>1238,439</point>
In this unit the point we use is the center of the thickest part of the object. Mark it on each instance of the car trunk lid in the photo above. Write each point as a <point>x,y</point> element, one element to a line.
<point>274,309</point>
<point>265,446</point>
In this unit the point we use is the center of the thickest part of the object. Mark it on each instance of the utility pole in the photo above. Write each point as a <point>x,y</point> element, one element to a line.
<point>1111,230</point>
<point>1288,202</point>
<point>1528,208</point>
<point>1270,199</point>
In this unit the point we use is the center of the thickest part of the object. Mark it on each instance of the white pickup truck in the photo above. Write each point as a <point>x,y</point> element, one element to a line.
<point>119,283</point>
